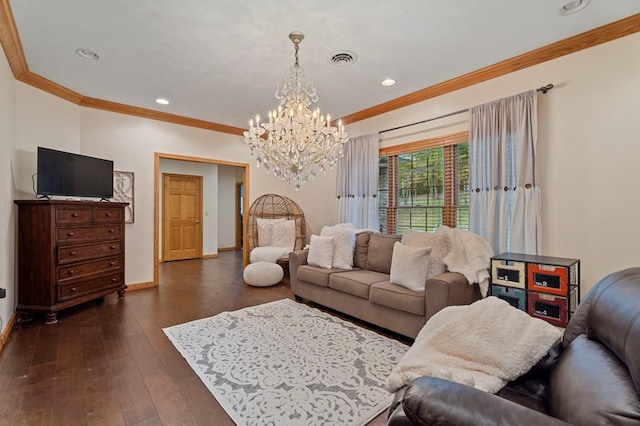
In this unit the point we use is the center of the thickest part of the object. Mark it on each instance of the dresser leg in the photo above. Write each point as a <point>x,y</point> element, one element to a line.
<point>51,318</point>
<point>121,294</point>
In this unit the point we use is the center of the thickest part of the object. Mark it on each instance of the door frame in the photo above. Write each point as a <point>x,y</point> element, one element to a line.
<point>157,183</point>
<point>240,217</point>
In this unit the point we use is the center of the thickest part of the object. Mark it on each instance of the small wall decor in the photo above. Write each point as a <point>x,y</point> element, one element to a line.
<point>123,192</point>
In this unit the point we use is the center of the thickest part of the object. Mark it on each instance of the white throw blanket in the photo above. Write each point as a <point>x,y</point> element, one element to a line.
<point>469,254</point>
<point>484,345</point>
<point>268,254</point>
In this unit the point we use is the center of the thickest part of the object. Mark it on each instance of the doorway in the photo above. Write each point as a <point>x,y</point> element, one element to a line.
<point>181,217</point>
<point>157,224</point>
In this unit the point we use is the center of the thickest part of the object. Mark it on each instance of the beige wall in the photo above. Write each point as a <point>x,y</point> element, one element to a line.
<point>7,184</point>
<point>588,147</point>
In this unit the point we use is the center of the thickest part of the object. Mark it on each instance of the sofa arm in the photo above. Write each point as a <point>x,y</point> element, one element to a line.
<point>449,289</point>
<point>297,258</point>
<point>430,401</point>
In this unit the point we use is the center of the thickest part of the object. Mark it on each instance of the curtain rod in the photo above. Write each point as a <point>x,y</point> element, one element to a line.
<point>543,89</point>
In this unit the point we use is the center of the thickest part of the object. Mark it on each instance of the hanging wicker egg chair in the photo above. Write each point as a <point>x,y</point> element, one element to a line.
<point>274,206</point>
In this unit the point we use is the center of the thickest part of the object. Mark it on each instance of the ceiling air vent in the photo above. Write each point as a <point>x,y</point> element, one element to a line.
<point>342,58</point>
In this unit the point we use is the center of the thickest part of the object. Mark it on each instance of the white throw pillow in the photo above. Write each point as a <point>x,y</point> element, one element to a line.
<point>409,266</point>
<point>264,230</point>
<point>320,251</point>
<point>283,234</point>
<point>344,242</point>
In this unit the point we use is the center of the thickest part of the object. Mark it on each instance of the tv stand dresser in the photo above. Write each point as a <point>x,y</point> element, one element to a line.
<point>69,252</point>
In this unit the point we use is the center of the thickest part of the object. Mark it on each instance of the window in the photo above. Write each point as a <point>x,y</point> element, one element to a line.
<point>424,184</point>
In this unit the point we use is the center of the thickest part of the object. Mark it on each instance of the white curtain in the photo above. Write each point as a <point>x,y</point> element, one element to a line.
<point>357,183</point>
<point>505,198</point>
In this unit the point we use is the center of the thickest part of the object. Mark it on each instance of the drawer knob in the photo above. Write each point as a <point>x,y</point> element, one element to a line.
<point>70,234</point>
<point>71,272</point>
<point>111,231</point>
<point>73,289</point>
<point>108,214</point>
<point>112,247</point>
<point>72,252</point>
<point>74,214</point>
<point>112,263</point>
<point>113,280</point>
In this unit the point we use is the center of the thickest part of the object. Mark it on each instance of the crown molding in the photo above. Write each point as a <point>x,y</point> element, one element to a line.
<point>10,40</point>
<point>158,115</point>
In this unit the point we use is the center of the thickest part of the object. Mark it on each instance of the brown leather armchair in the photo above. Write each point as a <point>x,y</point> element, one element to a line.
<point>591,378</point>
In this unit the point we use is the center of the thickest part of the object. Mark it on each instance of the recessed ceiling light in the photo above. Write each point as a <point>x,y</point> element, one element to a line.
<point>162,101</point>
<point>87,54</point>
<point>574,6</point>
<point>388,82</point>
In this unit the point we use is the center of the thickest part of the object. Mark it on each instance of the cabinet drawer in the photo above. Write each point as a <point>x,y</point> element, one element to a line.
<point>74,214</point>
<point>548,279</point>
<point>548,307</point>
<point>80,288</point>
<point>68,254</point>
<point>108,214</point>
<point>507,272</point>
<point>89,233</point>
<point>516,297</point>
<point>75,271</point>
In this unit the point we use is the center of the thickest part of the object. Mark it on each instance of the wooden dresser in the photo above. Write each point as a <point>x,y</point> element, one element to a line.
<point>69,252</point>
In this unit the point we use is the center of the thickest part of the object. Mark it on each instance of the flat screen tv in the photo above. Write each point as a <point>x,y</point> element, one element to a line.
<point>73,175</point>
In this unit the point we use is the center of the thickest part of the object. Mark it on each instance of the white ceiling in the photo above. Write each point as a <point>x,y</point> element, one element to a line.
<point>220,60</point>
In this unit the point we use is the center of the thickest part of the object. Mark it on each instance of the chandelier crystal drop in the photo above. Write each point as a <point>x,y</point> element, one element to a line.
<point>296,141</point>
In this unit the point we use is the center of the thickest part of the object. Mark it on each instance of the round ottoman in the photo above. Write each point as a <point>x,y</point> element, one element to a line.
<point>263,274</point>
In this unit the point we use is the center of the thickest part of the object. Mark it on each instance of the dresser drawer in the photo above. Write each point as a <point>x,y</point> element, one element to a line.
<point>68,254</point>
<point>75,271</point>
<point>107,214</point>
<point>82,287</point>
<point>73,214</point>
<point>89,233</point>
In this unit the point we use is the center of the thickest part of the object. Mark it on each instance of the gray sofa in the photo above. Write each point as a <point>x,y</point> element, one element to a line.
<point>366,293</point>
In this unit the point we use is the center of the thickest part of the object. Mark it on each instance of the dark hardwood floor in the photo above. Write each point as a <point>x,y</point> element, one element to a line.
<point>110,363</point>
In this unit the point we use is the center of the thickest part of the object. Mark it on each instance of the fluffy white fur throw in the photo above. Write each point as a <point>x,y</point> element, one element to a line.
<point>483,345</point>
<point>268,254</point>
<point>468,254</point>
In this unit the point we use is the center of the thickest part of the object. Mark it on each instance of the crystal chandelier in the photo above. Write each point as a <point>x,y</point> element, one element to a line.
<point>298,141</point>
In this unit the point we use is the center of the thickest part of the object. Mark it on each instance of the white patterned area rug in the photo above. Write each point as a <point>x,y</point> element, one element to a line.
<point>285,363</point>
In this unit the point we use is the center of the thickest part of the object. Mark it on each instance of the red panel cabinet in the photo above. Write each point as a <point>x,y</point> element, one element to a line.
<point>546,287</point>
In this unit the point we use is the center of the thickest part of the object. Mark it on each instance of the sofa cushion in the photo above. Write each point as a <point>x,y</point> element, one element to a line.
<point>591,386</point>
<point>356,283</point>
<point>361,249</point>
<point>380,252</point>
<point>396,297</point>
<point>316,275</point>
<point>409,266</point>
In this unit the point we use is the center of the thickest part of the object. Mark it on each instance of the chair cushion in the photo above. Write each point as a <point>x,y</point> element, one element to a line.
<point>263,274</point>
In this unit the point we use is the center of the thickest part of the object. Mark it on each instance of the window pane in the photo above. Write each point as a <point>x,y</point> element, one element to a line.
<point>463,174</point>
<point>432,185</point>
